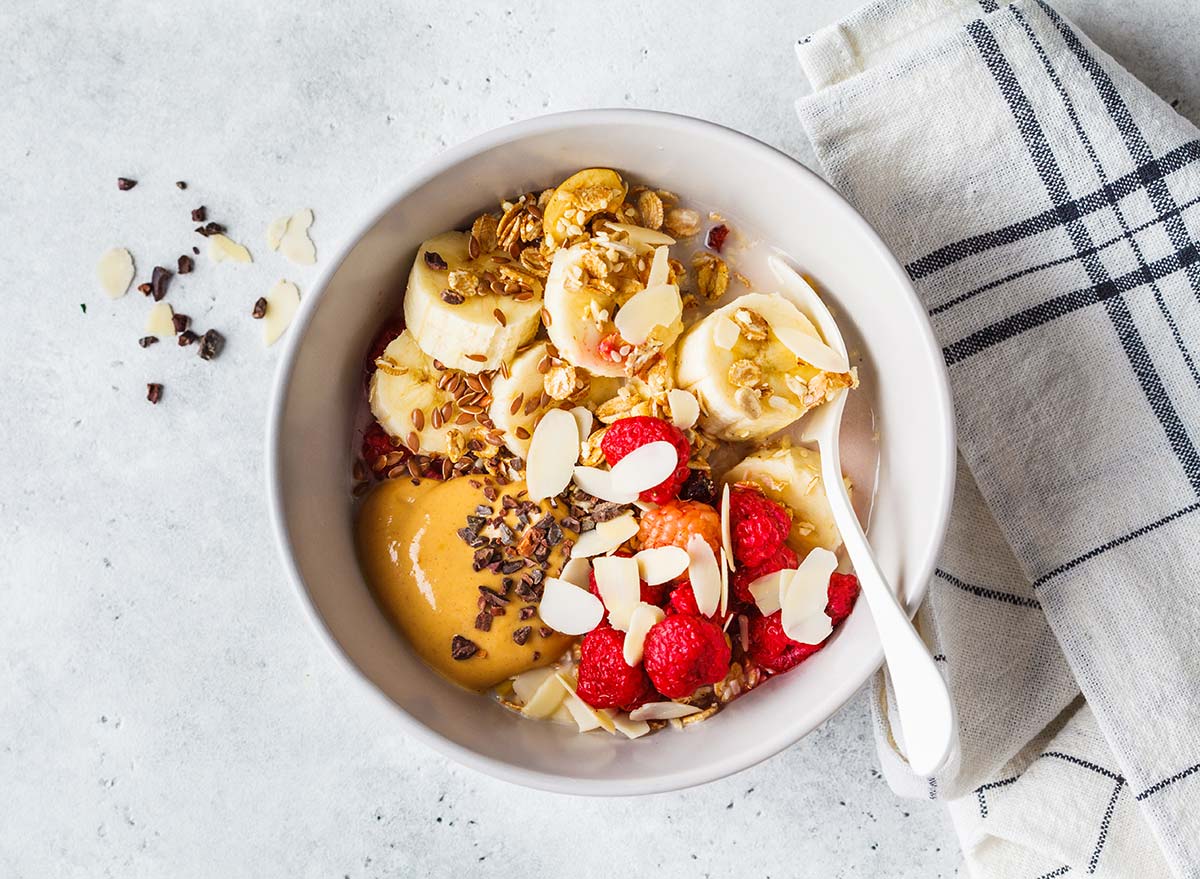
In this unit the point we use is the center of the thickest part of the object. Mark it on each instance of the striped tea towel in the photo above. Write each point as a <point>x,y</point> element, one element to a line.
<point>1047,208</point>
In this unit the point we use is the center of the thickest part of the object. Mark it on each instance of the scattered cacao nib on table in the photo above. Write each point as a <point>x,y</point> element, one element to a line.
<point>125,183</point>
<point>159,279</point>
<point>181,322</point>
<point>260,308</point>
<point>210,229</point>
<point>200,214</point>
<point>147,341</point>
<point>211,344</point>
<point>186,264</point>
<point>154,392</point>
<point>187,337</point>
<point>180,184</point>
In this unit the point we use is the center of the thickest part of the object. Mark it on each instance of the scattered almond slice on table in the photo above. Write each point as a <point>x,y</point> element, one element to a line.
<point>282,301</point>
<point>160,321</point>
<point>115,271</point>
<point>222,248</point>
<point>289,235</point>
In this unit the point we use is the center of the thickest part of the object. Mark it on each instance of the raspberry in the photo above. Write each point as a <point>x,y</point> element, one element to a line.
<point>771,648</point>
<point>376,442</point>
<point>655,595</point>
<point>740,580</point>
<point>683,601</point>
<point>623,436</point>
<point>758,525</point>
<point>699,487</point>
<point>685,652</point>
<point>843,590</point>
<point>672,524</point>
<point>605,680</point>
<point>774,650</point>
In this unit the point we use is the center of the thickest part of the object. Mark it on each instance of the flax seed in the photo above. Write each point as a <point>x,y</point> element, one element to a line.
<point>478,358</point>
<point>545,317</point>
<point>474,383</point>
<point>380,463</point>
<point>435,418</point>
<point>398,470</point>
<point>418,419</point>
<point>447,468</point>
<point>447,408</point>
<point>464,418</point>
<point>522,433</point>
<point>544,364</point>
<point>504,370</point>
<point>516,404</point>
<point>413,470</point>
<point>414,442</point>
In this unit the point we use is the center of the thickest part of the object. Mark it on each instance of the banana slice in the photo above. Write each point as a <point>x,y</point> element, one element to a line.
<point>579,198</point>
<point>404,396</point>
<point>516,400</point>
<point>740,362</point>
<point>589,287</point>
<point>792,476</point>
<point>470,328</point>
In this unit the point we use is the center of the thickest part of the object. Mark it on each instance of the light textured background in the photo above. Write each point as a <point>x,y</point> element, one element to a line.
<point>164,709</point>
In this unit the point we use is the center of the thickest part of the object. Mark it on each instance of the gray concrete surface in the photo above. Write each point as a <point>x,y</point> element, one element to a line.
<point>165,709</point>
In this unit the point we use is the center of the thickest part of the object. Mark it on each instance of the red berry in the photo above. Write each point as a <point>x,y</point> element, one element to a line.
<point>655,595</point>
<point>685,652</point>
<point>610,347</point>
<point>740,580</point>
<point>673,523</point>
<point>758,525</point>
<point>774,650</point>
<point>716,237</point>
<point>389,331</point>
<point>623,436</point>
<point>605,680</point>
<point>376,442</point>
<point>683,601</point>
<point>843,590</point>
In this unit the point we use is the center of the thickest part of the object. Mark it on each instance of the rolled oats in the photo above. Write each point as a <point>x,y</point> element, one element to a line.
<point>712,275</point>
<point>560,380</point>
<point>681,222</point>
<point>651,208</point>
<point>745,374</point>
<point>752,324</point>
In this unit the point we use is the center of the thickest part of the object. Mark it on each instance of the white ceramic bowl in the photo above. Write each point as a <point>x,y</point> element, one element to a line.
<point>319,386</point>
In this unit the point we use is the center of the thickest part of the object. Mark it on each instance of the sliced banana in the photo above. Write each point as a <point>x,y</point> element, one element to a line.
<point>579,198</point>
<point>516,399</point>
<point>404,396</point>
<point>792,476</point>
<point>583,308</point>
<point>477,329</point>
<point>750,383</point>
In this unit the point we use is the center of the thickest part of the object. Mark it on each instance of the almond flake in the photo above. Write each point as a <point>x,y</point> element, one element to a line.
<point>282,301</point>
<point>586,717</point>
<point>768,590</point>
<point>553,452</point>
<point>726,540</point>
<point>657,306</point>
<point>725,333</point>
<point>527,682</point>
<point>704,574</point>
<point>576,571</point>
<point>583,416</point>
<point>569,609</point>
<point>221,248</point>
<point>159,321</point>
<point>725,589</point>
<point>645,467</point>
<point>599,483</point>
<point>662,563</point>
<point>812,351</point>
<point>295,243</point>
<point>658,268</point>
<point>662,711</point>
<point>643,618</point>
<point>546,699</point>
<point>275,232</point>
<point>642,236</point>
<point>619,586</point>
<point>605,537</point>
<point>631,729</point>
<point>685,410</point>
<point>805,596</point>
<point>115,271</point>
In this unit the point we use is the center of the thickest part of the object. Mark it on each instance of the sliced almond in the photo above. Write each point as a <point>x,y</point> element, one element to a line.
<point>159,321</point>
<point>584,418</point>
<point>586,717</point>
<point>642,236</point>
<point>661,564</point>
<point>768,590</point>
<point>726,540</point>
<point>599,483</point>
<point>526,683</point>
<point>115,272</point>
<point>811,350</point>
<point>619,586</point>
<point>221,248</point>
<point>685,409</point>
<point>605,537</point>
<point>805,596</point>
<point>631,729</point>
<point>724,588</point>
<point>569,609</point>
<point>645,467</point>
<point>546,699</point>
<point>643,618</point>
<point>662,711</point>
<point>275,232</point>
<point>553,452</point>
<point>704,574</point>
<point>657,306</point>
<point>282,301</point>
<point>295,243</point>
<point>725,333</point>
<point>576,571</point>
<point>658,268</point>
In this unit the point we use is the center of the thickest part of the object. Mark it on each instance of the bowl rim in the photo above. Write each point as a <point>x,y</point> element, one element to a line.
<point>660,120</point>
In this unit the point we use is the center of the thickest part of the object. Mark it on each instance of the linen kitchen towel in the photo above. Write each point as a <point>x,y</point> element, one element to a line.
<point>1046,206</point>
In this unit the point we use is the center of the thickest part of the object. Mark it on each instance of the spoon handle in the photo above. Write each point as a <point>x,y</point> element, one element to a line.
<point>922,698</point>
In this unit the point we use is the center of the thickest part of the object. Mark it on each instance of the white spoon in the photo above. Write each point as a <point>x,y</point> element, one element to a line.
<point>922,699</point>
